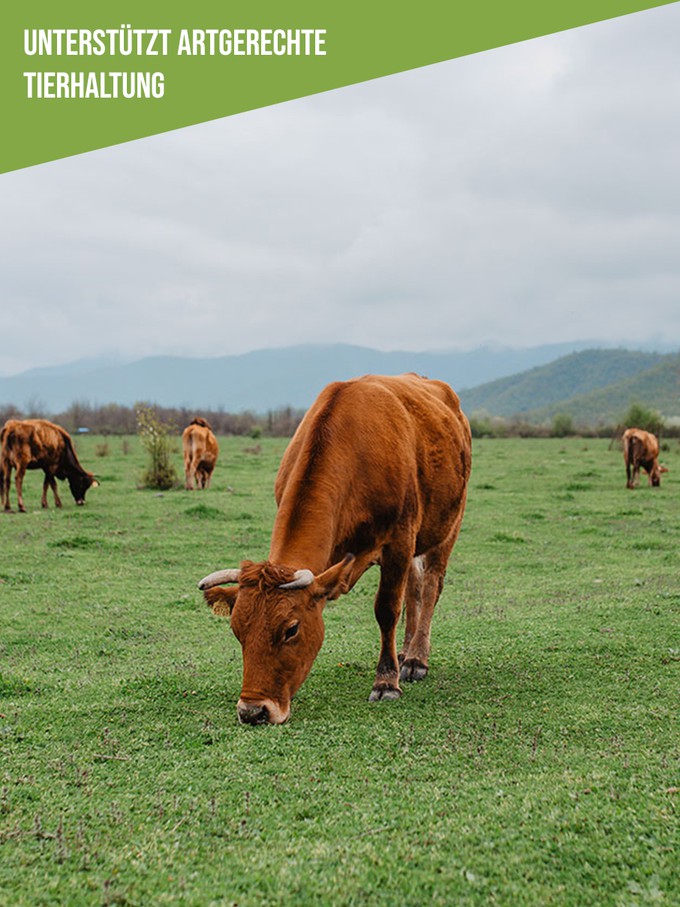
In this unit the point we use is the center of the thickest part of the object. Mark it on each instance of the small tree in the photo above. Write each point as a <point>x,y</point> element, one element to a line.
<point>154,435</point>
<point>639,416</point>
<point>562,425</point>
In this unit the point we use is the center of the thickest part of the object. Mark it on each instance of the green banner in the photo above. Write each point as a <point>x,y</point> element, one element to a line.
<point>76,76</point>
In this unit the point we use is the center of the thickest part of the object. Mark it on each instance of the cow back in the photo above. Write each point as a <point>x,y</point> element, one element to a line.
<point>199,446</point>
<point>640,446</point>
<point>37,443</point>
<point>371,455</point>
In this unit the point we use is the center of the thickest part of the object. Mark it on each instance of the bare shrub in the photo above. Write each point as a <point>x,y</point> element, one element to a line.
<point>155,437</point>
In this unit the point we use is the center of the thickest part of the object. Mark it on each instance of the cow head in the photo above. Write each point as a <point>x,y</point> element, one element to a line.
<point>277,616</point>
<point>79,483</point>
<point>655,473</point>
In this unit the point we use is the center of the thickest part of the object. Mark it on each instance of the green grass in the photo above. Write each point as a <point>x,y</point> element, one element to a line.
<point>537,764</point>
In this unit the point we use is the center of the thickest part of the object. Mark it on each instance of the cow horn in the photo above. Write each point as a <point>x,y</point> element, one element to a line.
<point>301,579</point>
<point>219,577</point>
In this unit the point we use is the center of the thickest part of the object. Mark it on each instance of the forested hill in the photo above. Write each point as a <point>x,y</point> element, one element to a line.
<point>657,388</point>
<point>592,386</point>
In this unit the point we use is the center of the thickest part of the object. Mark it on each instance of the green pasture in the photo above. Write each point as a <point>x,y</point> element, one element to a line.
<point>536,765</point>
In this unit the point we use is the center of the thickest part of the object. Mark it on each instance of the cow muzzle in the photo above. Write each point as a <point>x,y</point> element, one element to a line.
<point>265,712</point>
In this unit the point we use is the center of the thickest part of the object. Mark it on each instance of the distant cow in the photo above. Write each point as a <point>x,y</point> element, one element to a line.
<point>641,449</point>
<point>375,474</point>
<point>200,454</point>
<point>39,444</point>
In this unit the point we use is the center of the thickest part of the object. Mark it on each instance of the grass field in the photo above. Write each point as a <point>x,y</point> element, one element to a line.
<point>536,765</point>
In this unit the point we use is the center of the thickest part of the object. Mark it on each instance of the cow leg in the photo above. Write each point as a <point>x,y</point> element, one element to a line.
<point>415,655</point>
<point>188,474</point>
<point>55,492</point>
<point>19,481</point>
<point>415,658</point>
<point>49,482</point>
<point>413,601</point>
<point>393,578</point>
<point>6,482</point>
<point>4,486</point>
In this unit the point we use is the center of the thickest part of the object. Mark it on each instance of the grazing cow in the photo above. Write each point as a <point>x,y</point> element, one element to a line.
<point>39,444</point>
<point>200,454</point>
<point>641,449</point>
<point>376,473</point>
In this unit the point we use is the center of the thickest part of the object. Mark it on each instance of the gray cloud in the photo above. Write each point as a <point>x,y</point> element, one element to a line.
<point>525,195</point>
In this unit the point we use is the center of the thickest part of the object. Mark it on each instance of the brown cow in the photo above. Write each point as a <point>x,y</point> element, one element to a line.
<point>39,444</point>
<point>200,454</point>
<point>375,474</point>
<point>641,449</point>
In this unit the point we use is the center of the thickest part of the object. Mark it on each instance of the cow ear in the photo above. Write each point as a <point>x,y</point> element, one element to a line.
<point>221,599</point>
<point>334,582</point>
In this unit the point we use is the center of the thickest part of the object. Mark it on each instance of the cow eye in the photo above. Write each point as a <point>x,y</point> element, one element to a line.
<point>291,631</point>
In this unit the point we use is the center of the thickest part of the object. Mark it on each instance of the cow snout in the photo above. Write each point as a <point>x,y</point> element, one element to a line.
<point>80,502</point>
<point>252,713</point>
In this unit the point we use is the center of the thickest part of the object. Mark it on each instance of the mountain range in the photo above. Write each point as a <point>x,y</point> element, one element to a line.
<point>259,380</point>
<point>536,383</point>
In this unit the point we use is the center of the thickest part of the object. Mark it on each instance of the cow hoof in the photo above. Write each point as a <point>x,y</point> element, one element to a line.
<point>412,669</point>
<point>382,692</point>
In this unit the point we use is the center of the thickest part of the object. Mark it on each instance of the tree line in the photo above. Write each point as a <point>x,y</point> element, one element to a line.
<point>115,419</point>
<point>562,425</point>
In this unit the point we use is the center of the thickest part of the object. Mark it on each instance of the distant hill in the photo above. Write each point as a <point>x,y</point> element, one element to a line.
<point>593,386</point>
<point>257,381</point>
<point>657,387</point>
<point>563,379</point>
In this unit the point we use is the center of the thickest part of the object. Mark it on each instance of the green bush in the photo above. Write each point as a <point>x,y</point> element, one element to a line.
<point>562,425</point>
<point>639,416</point>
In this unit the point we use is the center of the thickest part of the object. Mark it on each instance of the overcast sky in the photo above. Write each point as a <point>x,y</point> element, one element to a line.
<point>525,195</point>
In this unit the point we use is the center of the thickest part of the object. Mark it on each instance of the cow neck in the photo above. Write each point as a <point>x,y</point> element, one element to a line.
<point>304,533</point>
